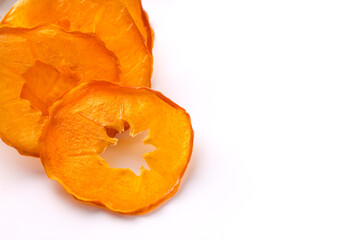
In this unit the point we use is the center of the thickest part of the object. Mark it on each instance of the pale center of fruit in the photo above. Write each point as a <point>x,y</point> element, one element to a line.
<point>128,151</point>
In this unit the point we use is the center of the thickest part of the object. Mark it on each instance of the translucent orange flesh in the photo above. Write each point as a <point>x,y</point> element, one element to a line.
<point>81,119</point>
<point>141,20</point>
<point>149,30</point>
<point>37,66</point>
<point>108,19</point>
<point>44,84</point>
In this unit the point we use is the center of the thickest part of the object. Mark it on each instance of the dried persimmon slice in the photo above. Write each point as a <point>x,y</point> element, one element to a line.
<point>39,65</point>
<point>108,19</point>
<point>77,133</point>
<point>149,30</point>
<point>141,20</point>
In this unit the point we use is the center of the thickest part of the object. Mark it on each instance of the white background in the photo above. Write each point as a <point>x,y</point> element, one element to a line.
<point>273,89</point>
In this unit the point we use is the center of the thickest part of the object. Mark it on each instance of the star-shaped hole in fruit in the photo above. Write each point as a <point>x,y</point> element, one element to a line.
<point>128,151</point>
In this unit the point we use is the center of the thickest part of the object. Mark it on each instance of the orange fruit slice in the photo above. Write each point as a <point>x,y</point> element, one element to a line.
<point>141,20</point>
<point>37,66</point>
<point>81,120</point>
<point>108,19</point>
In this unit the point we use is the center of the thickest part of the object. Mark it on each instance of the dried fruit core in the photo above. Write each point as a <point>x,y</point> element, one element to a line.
<point>44,84</point>
<point>128,151</point>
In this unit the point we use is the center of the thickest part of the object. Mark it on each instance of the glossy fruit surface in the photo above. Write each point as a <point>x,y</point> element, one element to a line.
<point>81,120</point>
<point>37,66</point>
<point>141,19</point>
<point>110,20</point>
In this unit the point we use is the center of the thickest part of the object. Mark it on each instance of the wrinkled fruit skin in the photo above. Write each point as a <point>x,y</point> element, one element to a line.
<point>80,120</point>
<point>110,20</point>
<point>39,65</point>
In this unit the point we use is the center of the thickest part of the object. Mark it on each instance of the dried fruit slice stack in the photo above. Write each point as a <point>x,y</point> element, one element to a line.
<point>109,20</point>
<point>69,71</point>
